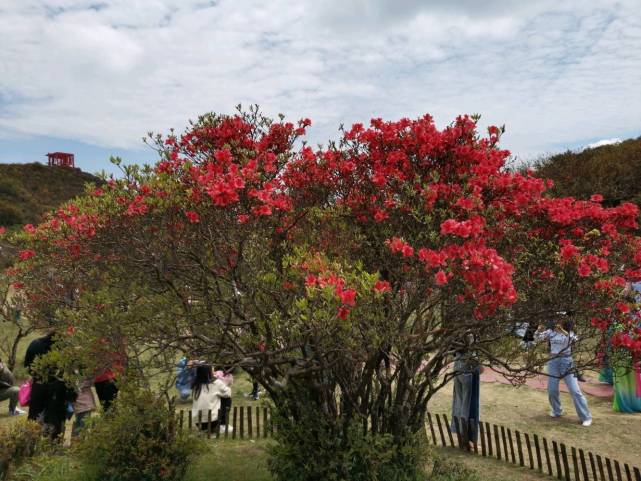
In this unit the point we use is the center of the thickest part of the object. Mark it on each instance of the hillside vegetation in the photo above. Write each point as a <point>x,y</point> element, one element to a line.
<point>27,191</point>
<point>614,171</point>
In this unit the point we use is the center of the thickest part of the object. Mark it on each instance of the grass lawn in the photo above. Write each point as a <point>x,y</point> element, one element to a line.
<point>247,461</point>
<point>614,435</point>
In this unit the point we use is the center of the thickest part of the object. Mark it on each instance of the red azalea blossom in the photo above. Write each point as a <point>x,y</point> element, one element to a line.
<point>382,286</point>
<point>343,312</point>
<point>192,216</point>
<point>348,297</point>
<point>26,254</point>
<point>440,278</point>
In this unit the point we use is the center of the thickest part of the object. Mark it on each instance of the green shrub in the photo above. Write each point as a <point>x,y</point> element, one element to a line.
<point>137,440</point>
<point>9,186</point>
<point>345,455</point>
<point>17,444</point>
<point>9,214</point>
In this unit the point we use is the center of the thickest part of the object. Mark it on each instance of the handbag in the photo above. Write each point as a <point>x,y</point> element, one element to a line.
<point>24,395</point>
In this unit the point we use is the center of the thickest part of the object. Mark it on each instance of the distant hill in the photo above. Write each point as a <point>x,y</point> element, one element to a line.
<point>614,171</point>
<point>27,191</point>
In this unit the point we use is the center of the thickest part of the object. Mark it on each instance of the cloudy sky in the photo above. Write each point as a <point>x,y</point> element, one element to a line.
<point>92,77</point>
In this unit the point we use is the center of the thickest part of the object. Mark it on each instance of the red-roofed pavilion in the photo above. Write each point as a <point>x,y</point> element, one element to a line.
<point>61,159</point>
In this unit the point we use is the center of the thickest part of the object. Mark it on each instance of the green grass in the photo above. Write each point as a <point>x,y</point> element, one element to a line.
<point>615,435</point>
<point>247,461</point>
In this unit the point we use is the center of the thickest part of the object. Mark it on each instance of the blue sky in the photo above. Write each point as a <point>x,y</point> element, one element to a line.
<point>93,77</point>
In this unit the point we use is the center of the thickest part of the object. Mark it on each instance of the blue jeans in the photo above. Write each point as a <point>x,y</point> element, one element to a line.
<point>562,368</point>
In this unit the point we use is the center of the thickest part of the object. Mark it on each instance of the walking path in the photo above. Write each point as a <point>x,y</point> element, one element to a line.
<point>592,386</point>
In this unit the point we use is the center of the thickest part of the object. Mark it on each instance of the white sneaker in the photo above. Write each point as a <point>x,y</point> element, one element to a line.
<point>587,423</point>
<point>16,412</point>
<point>553,415</point>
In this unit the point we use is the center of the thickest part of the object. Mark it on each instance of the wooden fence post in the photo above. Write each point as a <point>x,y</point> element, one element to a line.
<point>235,425</point>
<point>564,458</point>
<point>497,441</point>
<point>227,419</point>
<point>242,422</point>
<point>448,427</point>
<point>210,424</point>
<point>517,435</point>
<point>529,450</point>
<point>440,430</point>
<point>628,473</point>
<point>539,461</point>
<point>599,462</point>
<point>189,419</point>
<point>182,419</point>
<point>429,420</point>
<point>505,450</point>
<point>265,422</point>
<point>617,470</point>
<point>272,424</point>
<point>593,466</point>
<point>637,474</point>
<point>482,435</point>
<point>575,465</point>
<point>608,466</point>
<point>584,467</point>
<point>200,419</point>
<point>509,437</point>
<point>557,461</point>
<point>547,456</point>
<point>488,432</point>
<point>250,427</point>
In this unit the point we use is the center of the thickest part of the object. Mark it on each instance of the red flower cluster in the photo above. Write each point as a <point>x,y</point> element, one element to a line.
<point>402,187</point>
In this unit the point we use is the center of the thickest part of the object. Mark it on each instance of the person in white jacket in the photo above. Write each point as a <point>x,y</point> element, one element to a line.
<point>207,392</point>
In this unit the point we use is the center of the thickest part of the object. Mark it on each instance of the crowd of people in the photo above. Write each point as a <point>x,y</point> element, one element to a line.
<point>52,401</point>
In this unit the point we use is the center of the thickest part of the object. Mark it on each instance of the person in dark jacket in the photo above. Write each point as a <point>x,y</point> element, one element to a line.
<point>49,396</point>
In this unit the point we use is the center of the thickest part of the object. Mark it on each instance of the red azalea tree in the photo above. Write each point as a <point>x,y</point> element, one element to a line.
<point>343,279</point>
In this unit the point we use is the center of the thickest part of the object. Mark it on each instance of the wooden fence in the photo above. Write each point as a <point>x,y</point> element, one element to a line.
<point>496,441</point>
<point>247,422</point>
<point>529,450</point>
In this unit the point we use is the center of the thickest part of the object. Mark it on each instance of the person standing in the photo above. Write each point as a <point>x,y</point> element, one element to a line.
<point>40,391</point>
<point>466,399</point>
<point>83,406</point>
<point>225,402</point>
<point>207,394</point>
<point>561,366</point>
<point>184,378</point>
<point>8,390</point>
<point>49,395</point>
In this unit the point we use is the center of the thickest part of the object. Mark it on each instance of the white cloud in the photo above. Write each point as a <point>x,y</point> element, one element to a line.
<point>603,142</point>
<point>107,72</point>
